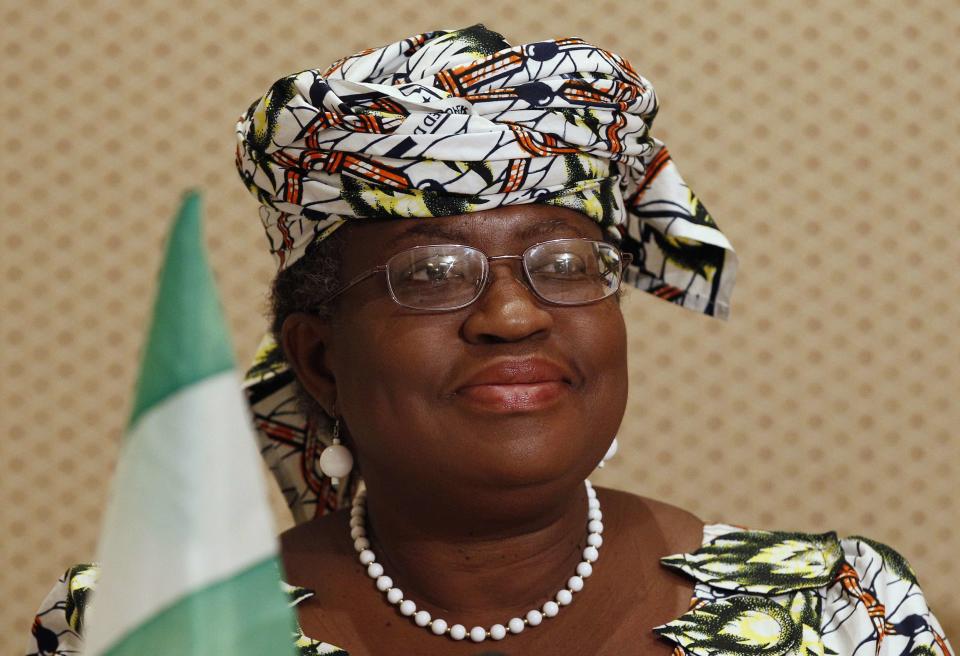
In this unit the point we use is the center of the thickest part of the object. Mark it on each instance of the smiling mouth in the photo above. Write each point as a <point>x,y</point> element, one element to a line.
<point>514,397</point>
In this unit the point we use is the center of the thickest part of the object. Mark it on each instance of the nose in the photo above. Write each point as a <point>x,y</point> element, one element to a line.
<point>507,310</point>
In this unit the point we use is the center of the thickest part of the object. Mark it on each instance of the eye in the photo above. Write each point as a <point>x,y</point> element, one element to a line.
<point>562,264</point>
<point>435,269</point>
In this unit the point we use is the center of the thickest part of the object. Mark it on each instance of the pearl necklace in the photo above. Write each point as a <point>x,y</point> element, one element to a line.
<point>438,626</point>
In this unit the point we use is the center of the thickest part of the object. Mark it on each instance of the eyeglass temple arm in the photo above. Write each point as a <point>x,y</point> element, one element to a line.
<point>356,281</point>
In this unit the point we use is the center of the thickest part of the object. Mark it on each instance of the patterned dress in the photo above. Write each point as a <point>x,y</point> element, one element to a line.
<point>757,592</point>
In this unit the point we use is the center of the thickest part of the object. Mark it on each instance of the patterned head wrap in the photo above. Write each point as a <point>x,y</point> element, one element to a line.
<point>453,122</point>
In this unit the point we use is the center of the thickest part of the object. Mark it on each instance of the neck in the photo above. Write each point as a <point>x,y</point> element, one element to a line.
<point>479,563</point>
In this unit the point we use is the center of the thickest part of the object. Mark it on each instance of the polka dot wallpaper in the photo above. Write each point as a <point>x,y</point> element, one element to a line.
<point>823,136</point>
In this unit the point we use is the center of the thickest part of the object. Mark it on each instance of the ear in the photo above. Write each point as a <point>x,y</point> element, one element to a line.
<point>305,341</point>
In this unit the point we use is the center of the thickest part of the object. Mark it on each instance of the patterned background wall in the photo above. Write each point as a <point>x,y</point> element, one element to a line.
<point>823,136</point>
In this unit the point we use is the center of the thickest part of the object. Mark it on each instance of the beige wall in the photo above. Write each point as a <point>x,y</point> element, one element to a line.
<point>823,136</point>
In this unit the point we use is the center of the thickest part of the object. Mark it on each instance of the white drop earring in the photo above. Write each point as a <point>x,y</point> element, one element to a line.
<point>612,451</point>
<point>336,461</point>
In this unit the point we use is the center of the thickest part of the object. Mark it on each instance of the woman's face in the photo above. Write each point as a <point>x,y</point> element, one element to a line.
<point>507,392</point>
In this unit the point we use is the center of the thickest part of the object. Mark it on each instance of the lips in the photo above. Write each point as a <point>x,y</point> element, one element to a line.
<point>516,385</point>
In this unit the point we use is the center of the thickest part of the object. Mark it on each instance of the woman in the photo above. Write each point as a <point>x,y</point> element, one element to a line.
<point>453,219</point>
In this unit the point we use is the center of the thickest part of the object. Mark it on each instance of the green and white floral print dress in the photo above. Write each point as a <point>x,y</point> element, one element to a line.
<point>757,593</point>
<point>798,594</point>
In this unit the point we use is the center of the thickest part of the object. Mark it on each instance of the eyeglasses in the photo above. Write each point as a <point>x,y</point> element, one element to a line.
<point>443,277</point>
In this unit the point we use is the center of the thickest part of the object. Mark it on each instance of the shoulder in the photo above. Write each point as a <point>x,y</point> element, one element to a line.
<point>772,562</point>
<point>878,560</point>
<point>59,622</point>
<point>327,534</point>
<point>822,591</point>
<point>678,529</point>
<point>683,527</point>
<point>319,550</point>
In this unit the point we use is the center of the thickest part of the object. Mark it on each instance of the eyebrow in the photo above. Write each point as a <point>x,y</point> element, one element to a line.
<point>456,235</point>
<point>548,227</point>
<point>432,230</point>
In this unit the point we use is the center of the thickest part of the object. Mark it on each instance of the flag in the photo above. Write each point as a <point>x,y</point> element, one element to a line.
<point>188,552</point>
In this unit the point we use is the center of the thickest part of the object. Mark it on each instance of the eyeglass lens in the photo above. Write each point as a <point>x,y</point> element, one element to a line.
<point>447,276</point>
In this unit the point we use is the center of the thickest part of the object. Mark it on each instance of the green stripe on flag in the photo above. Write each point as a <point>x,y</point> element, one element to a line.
<point>187,340</point>
<point>233,617</point>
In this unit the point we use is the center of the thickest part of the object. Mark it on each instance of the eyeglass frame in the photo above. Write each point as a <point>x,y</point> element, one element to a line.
<point>625,260</point>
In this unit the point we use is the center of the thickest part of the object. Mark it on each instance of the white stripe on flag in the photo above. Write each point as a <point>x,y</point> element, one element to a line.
<point>177,523</point>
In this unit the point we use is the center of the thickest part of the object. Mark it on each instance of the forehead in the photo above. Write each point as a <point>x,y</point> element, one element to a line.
<point>499,231</point>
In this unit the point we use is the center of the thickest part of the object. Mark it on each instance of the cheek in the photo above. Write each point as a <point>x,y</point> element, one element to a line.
<point>386,375</point>
<point>600,342</point>
<point>598,339</point>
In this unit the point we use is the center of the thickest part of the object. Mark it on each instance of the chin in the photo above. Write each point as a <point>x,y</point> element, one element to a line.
<point>534,459</point>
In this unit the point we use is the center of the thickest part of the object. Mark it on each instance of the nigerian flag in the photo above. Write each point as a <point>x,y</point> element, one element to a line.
<point>188,553</point>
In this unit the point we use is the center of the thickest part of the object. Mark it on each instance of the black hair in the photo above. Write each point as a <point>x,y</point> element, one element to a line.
<point>302,286</point>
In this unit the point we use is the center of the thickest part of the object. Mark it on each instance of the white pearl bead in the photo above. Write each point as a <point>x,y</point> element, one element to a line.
<point>478,633</point>
<point>587,483</point>
<point>336,461</point>
<point>421,618</point>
